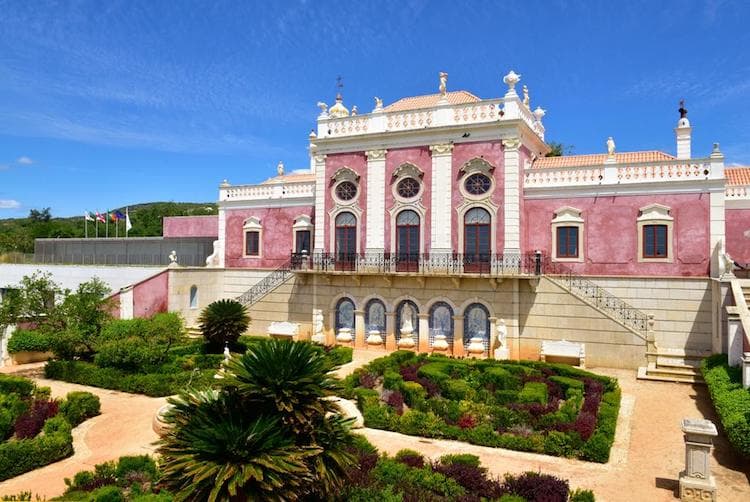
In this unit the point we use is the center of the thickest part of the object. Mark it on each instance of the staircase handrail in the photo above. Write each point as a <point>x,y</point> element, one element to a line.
<point>269,282</point>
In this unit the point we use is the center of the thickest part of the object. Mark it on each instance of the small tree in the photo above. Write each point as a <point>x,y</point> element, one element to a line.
<point>559,149</point>
<point>222,322</point>
<point>33,301</point>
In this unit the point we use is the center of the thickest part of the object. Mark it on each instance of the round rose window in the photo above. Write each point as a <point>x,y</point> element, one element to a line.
<point>477,184</point>
<point>346,190</point>
<point>408,188</point>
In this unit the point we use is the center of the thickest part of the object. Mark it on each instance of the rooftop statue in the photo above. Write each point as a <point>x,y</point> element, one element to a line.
<point>378,104</point>
<point>526,100</point>
<point>443,83</point>
<point>280,168</point>
<point>610,146</point>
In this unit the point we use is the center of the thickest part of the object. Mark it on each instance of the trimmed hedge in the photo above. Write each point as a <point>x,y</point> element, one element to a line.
<point>24,340</point>
<point>731,401</point>
<point>79,406</point>
<point>10,384</point>
<point>150,384</point>
<point>19,456</point>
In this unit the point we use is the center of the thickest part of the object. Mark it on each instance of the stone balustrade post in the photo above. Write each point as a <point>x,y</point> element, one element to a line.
<point>696,481</point>
<point>735,336</point>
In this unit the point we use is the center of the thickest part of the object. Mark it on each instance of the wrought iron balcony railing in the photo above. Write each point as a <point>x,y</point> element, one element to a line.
<point>489,264</point>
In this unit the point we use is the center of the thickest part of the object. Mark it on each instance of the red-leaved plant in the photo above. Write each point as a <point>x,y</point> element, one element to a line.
<point>30,423</point>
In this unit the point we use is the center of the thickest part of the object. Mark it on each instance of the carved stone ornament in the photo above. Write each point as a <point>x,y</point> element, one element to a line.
<point>408,170</point>
<point>511,79</point>
<point>375,154</point>
<point>378,104</point>
<point>441,149</point>
<point>512,143</point>
<point>477,165</point>
<point>539,113</point>
<point>344,174</point>
<point>443,88</point>
<point>320,158</point>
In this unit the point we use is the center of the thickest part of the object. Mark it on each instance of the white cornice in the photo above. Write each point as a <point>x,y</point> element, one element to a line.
<point>680,187</point>
<point>267,203</point>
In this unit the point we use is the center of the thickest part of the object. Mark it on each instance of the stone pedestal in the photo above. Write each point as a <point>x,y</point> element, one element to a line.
<point>374,338</point>
<point>359,329</point>
<point>458,336</point>
<point>344,335</point>
<point>502,353</point>
<point>475,347</point>
<point>696,481</point>
<point>746,370</point>
<point>390,326</point>
<point>440,343</point>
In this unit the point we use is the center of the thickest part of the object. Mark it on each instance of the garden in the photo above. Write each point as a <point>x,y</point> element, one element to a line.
<point>730,399</point>
<point>35,430</point>
<point>528,406</point>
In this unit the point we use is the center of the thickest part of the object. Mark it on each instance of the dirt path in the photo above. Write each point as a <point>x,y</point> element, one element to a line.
<point>123,428</point>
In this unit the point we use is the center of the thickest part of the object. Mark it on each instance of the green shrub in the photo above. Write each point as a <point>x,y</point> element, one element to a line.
<point>414,394</point>
<point>122,329</point>
<point>12,406</point>
<point>458,390</point>
<point>500,378</point>
<point>401,454</point>
<point>533,392</point>
<point>10,384</point>
<point>582,496</point>
<point>512,498</point>
<point>567,382</point>
<point>131,355</point>
<point>362,445</point>
<point>506,396</point>
<point>142,464</point>
<point>339,355</point>
<point>366,396</point>
<point>731,401</point>
<point>596,449</point>
<point>461,459</point>
<point>107,494</point>
<point>79,406</point>
<point>437,372</point>
<point>392,380</point>
<point>377,416</point>
<point>222,322</point>
<point>417,423</point>
<point>24,340</point>
<point>559,444</point>
<point>19,456</point>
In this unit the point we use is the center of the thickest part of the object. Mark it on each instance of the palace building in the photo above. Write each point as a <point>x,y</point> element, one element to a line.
<point>437,222</point>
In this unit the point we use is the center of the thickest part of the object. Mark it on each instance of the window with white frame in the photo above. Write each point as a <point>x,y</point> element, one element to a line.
<point>302,234</point>
<point>567,235</point>
<point>655,234</point>
<point>193,297</point>
<point>253,237</point>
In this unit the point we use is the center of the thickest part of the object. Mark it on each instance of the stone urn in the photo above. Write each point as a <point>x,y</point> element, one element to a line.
<point>374,338</point>
<point>476,345</point>
<point>157,423</point>
<point>344,335</point>
<point>440,343</point>
<point>406,341</point>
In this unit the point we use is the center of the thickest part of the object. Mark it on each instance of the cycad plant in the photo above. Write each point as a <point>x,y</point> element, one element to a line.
<point>266,433</point>
<point>222,322</point>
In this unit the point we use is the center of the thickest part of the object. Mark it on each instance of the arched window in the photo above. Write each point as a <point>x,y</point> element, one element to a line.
<point>477,324</point>
<point>441,322</point>
<point>477,246</point>
<point>407,241</point>
<point>346,240</point>
<point>193,297</point>
<point>375,316</point>
<point>407,317</point>
<point>345,314</point>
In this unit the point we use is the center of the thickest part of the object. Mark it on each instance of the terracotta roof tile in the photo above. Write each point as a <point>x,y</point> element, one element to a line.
<point>290,178</point>
<point>737,175</point>
<point>431,100</point>
<point>599,159</point>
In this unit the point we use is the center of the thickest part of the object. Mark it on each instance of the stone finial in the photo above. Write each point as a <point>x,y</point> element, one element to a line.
<point>225,182</point>
<point>526,100</point>
<point>280,168</point>
<point>378,104</point>
<point>323,108</point>
<point>716,149</point>
<point>539,113</point>
<point>611,146</point>
<point>683,111</point>
<point>443,88</point>
<point>312,134</point>
<point>354,110</point>
<point>511,79</point>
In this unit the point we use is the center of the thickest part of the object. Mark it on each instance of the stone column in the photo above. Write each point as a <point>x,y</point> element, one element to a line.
<point>650,341</point>
<point>375,231</point>
<point>330,330</point>
<point>716,210</point>
<point>746,370</point>
<point>735,335</point>
<point>696,481</point>
<point>320,206</point>
<point>390,330</point>
<point>512,196</point>
<point>458,336</point>
<point>424,333</point>
<point>360,330</point>
<point>440,231</point>
<point>492,337</point>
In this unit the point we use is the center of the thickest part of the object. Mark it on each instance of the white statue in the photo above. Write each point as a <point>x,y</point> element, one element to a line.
<point>443,83</point>
<point>611,146</point>
<point>501,351</point>
<point>525,95</point>
<point>173,257</point>
<point>406,327</point>
<point>378,104</point>
<point>323,108</point>
<point>280,168</point>
<point>354,110</point>
<point>227,355</point>
<point>318,336</point>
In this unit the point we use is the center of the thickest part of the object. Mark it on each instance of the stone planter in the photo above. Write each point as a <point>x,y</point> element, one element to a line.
<point>374,338</point>
<point>25,357</point>
<point>406,341</point>
<point>476,346</point>
<point>344,335</point>
<point>440,344</point>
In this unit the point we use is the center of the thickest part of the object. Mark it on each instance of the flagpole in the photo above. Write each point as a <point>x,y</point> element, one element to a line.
<point>127,221</point>
<point>96,225</point>
<point>86,226</point>
<point>106,223</point>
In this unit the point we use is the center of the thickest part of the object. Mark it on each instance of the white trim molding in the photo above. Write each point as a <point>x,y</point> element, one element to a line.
<point>442,180</point>
<point>320,194</point>
<point>655,214</point>
<point>252,224</point>
<point>467,206</point>
<point>333,213</point>
<point>375,232</point>
<point>512,195</point>
<point>301,223</point>
<point>567,216</point>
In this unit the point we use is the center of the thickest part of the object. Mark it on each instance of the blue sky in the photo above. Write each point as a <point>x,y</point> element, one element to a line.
<point>104,104</point>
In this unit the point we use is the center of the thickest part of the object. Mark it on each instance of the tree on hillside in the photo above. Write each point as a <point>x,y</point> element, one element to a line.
<point>559,149</point>
<point>43,215</point>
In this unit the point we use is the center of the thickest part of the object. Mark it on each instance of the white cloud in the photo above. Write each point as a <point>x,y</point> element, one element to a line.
<point>9,204</point>
<point>25,161</point>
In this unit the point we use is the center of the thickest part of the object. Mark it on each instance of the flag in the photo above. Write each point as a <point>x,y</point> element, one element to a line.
<point>100,217</point>
<point>119,215</point>
<point>128,225</point>
<point>88,216</point>
<point>113,217</point>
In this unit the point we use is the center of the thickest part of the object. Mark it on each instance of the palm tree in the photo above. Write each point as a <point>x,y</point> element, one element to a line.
<point>223,322</point>
<point>267,432</point>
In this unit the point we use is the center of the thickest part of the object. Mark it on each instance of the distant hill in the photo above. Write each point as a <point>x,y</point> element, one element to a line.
<point>18,234</point>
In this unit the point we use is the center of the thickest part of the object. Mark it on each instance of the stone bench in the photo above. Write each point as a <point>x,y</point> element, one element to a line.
<point>564,351</point>
<point>287,330</point>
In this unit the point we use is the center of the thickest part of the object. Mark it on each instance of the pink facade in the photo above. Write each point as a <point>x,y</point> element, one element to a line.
<point>421,158</point>
<point>277,236</point>
<point>610,233</point>
<point>357,162</point>
<point>492,153</point>
<point>191,226</point>
<point>738,234</point>
<point>150,296</point>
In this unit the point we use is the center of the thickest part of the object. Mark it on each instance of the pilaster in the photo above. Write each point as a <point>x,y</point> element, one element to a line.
<point>716,212</point>
<point>390,336</point>
<point>458,336</point>
<point>375,234</point>
<point>359,329</point>
<point>440,231</point>
<point>222,237</point>
<point>320,193</point>
<point>512,195</point>
<point>424,333</point>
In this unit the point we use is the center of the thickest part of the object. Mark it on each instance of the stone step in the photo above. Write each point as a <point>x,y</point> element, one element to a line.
<point>678,362</point>
<point>644,374</point>
<point>683,353</point>
<point>193,331</point>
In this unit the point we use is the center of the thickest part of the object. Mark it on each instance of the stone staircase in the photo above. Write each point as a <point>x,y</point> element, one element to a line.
<point>271,281</point>
<point>673,365</point>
